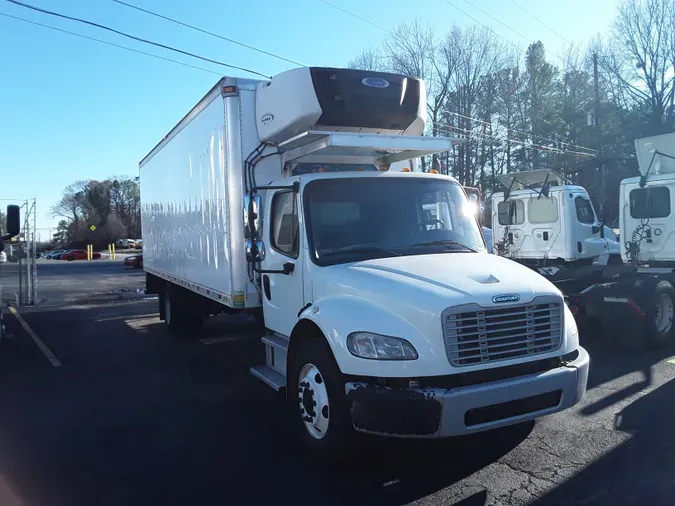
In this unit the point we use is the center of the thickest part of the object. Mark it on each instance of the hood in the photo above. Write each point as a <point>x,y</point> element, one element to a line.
<point>433,282</point>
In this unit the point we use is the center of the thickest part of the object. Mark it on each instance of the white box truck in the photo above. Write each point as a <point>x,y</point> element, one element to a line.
<point>274,197</point>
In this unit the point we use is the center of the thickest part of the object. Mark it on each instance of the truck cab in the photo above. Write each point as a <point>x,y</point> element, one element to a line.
<point>647,203</point>
<point>539,217</point>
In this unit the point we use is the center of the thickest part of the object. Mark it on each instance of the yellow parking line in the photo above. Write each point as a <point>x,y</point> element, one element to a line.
<point>38,342</point>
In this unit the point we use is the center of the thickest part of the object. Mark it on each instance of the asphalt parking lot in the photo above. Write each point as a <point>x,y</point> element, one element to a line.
<point>128,415</point>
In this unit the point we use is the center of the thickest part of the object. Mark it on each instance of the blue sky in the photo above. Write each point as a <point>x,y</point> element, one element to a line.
<point>74,109</point>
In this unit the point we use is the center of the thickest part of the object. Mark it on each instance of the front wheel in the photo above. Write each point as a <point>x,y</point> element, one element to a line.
<point>660,315</point>
<point>318,402</point>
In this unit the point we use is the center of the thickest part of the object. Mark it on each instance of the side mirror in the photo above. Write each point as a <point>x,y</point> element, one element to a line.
<point>13,220</point>
<point>251,216</point>
<point>473,198</point>
<point>255,251</point>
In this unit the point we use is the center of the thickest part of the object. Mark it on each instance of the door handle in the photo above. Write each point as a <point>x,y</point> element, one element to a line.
<point>287,268</point>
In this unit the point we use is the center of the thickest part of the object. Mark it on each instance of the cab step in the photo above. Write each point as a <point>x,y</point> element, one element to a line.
<point>270,376</point>
<point>274,371</point>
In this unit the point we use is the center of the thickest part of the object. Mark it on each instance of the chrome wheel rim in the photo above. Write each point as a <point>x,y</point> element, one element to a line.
<point>663,315</point>
<point>313,401</point>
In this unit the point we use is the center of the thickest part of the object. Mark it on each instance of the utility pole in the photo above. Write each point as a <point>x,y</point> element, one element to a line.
<point>598,130</point>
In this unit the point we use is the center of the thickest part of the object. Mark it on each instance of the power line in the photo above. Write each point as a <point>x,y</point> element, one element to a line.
<point>146,41</point>
<point>498,21</point>
<point>524,145</point>
<point>355,16</point>
<point>483,25</point>
<point>110,44</point>
<point>520,131</point>
<point>491,30</point>
<point>262,51</point>
<point>539,20</point>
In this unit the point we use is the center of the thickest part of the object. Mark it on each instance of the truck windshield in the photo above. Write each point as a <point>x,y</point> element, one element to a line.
<point>362,218</point>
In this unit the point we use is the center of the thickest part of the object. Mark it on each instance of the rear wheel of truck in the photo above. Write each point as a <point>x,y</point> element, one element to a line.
<point>180,317</point>
<point>659,315</point>
<point>318,402</point>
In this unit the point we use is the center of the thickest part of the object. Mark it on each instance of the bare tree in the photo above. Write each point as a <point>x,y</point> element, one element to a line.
<point>412,49</point>
<point>369,59</point>
<point>471,54</point>
<point>73,203</point>
<point>642,58</point>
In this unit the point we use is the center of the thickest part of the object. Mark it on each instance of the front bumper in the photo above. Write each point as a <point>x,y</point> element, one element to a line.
<point>440,412</point>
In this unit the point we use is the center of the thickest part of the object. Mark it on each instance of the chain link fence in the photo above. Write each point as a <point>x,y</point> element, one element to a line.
<point>18,268</point>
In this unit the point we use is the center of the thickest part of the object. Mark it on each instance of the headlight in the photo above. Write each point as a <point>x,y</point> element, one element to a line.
<point>377,347</point>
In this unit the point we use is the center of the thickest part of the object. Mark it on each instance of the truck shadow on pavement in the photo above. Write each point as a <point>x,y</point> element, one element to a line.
<point>640,471</point>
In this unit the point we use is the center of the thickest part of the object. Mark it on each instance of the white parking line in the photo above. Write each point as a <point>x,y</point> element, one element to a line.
<point>38,342</point>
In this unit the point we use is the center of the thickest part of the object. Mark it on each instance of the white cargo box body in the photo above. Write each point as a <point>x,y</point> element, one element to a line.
<point>191,197</point>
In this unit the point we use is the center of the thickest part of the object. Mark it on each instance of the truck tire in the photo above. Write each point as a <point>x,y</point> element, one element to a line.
<point>182,319</point>
<point>659,316</point>
<point>318,404</point>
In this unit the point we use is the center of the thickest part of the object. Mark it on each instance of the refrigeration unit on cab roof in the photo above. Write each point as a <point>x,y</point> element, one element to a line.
<point>339,100</point>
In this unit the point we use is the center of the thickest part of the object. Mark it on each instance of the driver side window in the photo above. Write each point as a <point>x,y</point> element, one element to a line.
<point>285,228</point>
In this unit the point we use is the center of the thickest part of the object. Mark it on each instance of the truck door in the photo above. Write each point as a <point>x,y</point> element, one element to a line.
<point>282,296</point>
<point>588,243</point>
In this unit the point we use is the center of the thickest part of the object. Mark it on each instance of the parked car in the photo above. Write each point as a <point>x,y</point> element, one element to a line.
<point>79,254</point>
<point>135,261</point>
<point>59,255</point>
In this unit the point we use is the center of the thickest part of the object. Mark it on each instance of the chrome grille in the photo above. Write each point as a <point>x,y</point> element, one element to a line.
<point>475,335</point>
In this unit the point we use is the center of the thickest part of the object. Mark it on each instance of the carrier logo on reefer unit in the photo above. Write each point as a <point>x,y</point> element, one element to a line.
<point>267,119</point>
<point>375,82</point>
<point>500,299</point>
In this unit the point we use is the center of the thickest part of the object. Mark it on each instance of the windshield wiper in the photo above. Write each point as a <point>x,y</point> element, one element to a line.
<point>357,248</point>
<point>444,242</point>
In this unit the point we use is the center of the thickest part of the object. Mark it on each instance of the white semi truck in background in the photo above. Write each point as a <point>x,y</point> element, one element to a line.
<point>275,198</point>
<point>628,286</point>
<point>541,219</point>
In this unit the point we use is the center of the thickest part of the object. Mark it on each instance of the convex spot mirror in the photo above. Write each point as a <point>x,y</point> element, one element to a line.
<point>252,216</point>
<point>255,251</point>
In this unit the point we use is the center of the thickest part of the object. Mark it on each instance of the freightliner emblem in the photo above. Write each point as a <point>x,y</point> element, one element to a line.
<point>500,299</point>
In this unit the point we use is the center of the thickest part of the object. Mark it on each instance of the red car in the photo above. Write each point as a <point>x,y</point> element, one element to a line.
<point>79,254</point>
<point>134,261</point>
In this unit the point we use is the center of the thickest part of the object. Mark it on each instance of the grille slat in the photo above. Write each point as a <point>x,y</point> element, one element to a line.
<point>465,347</point>
<point>508,329</point>
<point>475,335</point>
<point>542,312</point>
